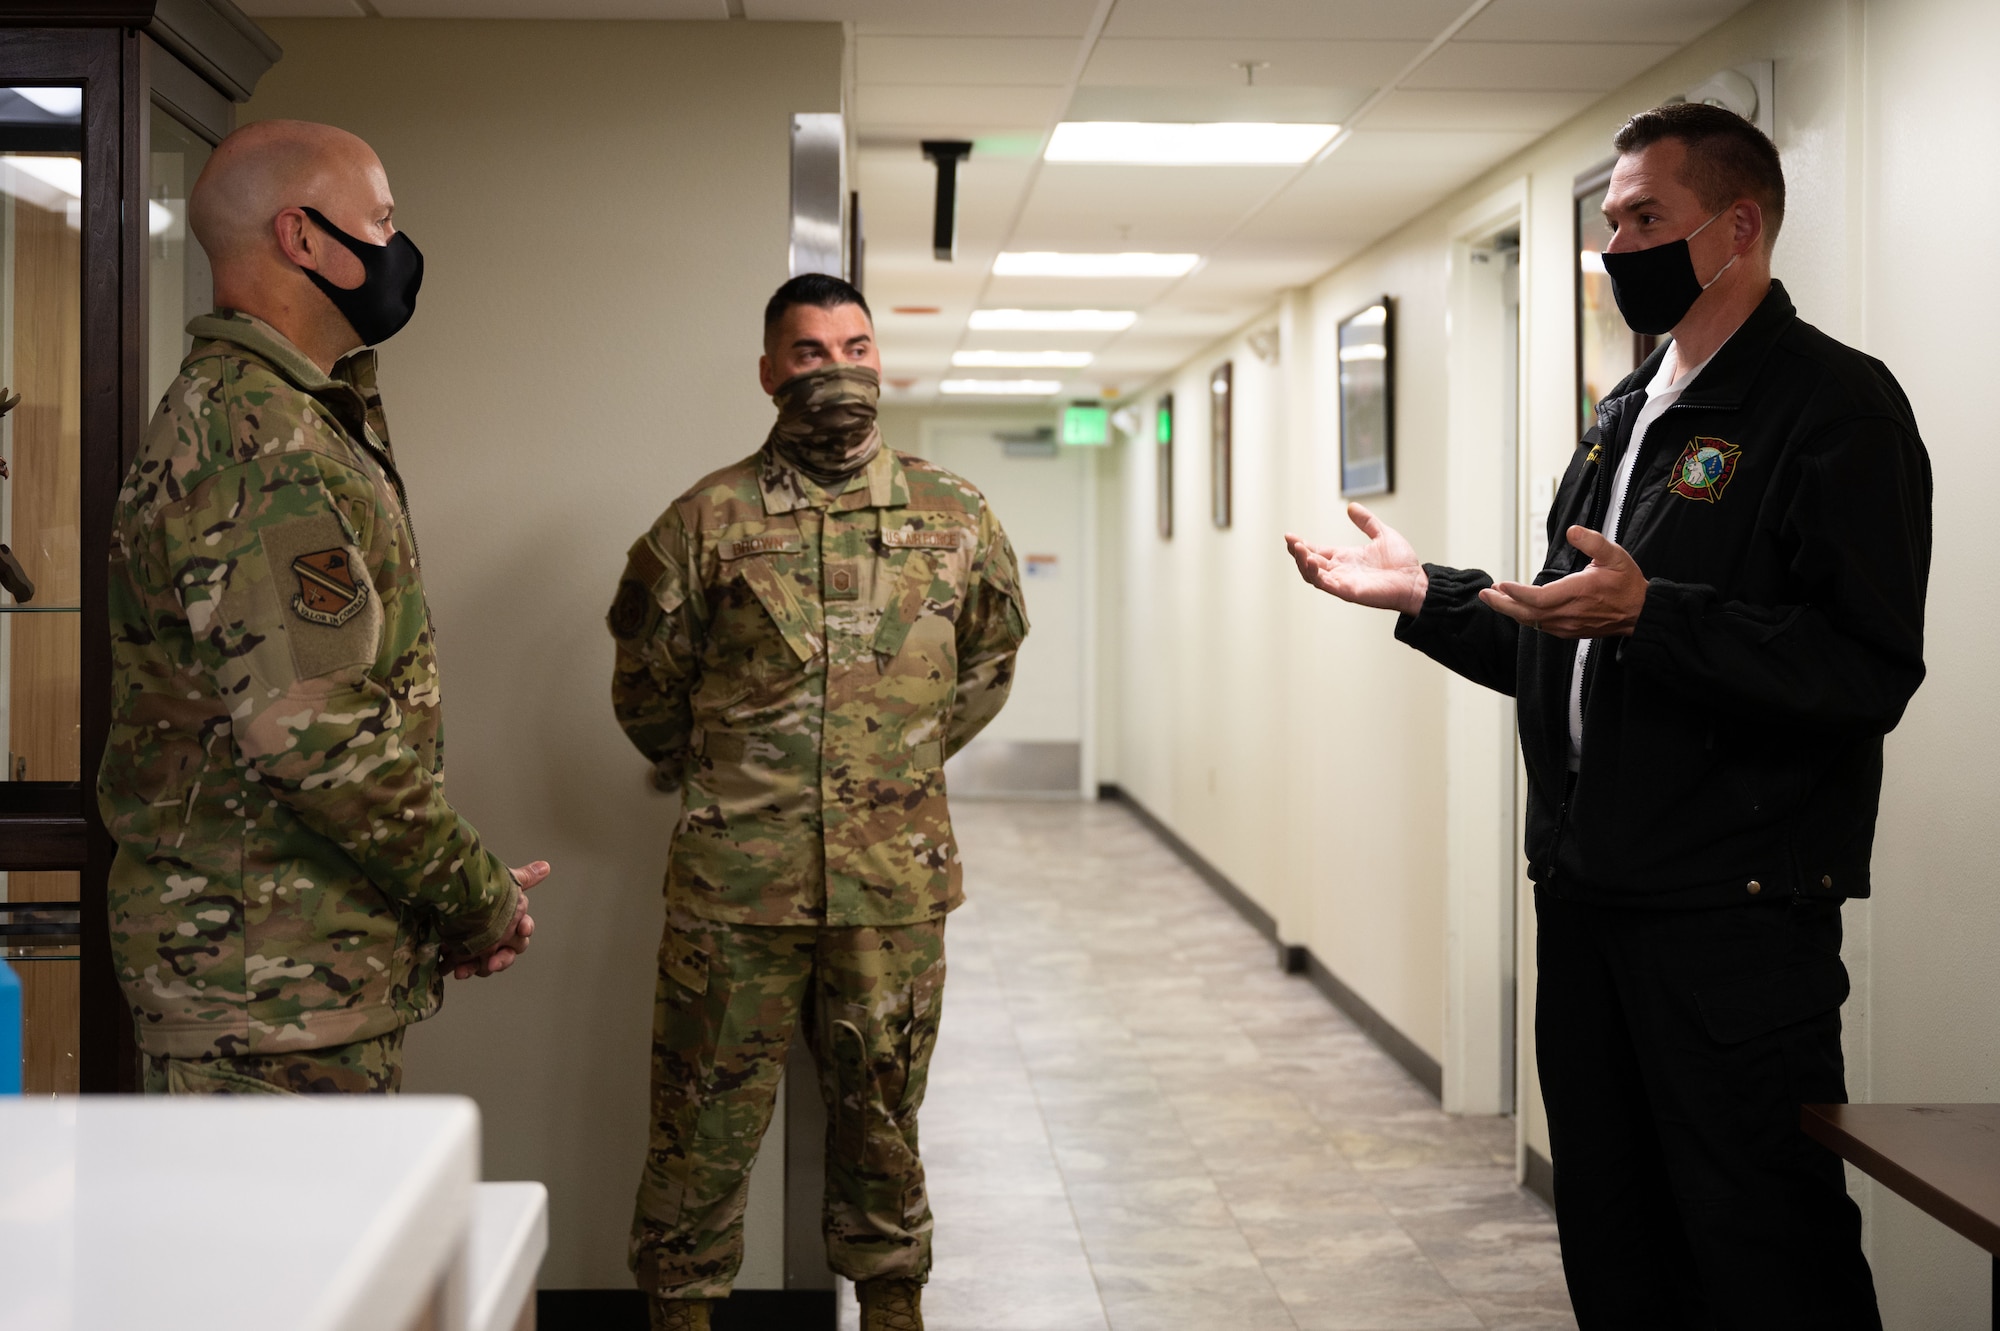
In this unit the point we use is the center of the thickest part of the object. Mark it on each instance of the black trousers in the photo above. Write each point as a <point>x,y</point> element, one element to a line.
<point>1675,1049</point>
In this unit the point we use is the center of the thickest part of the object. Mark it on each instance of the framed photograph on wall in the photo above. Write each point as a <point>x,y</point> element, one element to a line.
<point>1221,414</point>
<point>1606,347</point>
<point>1367,352</point>
<point>1163,463</point>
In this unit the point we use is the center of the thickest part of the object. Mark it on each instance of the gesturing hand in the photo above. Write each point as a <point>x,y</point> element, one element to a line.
<point>1384,573</point>
<point>503,953</point>
<point>1601,601</point>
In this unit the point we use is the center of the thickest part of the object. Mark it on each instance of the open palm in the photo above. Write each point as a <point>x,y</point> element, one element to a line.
<point>1384,573</point>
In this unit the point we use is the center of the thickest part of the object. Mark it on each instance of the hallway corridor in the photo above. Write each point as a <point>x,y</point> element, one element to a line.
<point>1136,1122</point>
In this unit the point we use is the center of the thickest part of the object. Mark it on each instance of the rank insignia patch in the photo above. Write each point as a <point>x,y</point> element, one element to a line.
<point>328,592</point>
<point>1704,469</point>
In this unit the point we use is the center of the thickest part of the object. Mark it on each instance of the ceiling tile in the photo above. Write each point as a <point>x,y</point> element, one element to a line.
<point>555,9</point>
<point>1058,293</point>
<point>1537,111</point>
<point>940,106</point>
<point>1418,20</point>
<point>1162,209</point>
<point>1253,275</point>
<point>898,196</point>
<point>1290,105</point>
<point>1677,21</point>
<point>987,60</point>
<point>931,18</point>
<point>1540,66</point>
<point>1169,62</point>
<point>1371,185</point>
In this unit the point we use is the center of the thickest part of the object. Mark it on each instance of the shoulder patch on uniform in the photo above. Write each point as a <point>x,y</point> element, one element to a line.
<point>326,603</point>
<point>643,564</point>
<point>329,593</point>
<point>631,610</point>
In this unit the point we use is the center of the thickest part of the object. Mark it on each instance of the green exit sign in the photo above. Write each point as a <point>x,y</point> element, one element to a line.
<point>1086,426</point>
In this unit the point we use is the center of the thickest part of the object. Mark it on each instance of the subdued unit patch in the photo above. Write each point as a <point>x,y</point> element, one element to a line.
<point>335,620</point>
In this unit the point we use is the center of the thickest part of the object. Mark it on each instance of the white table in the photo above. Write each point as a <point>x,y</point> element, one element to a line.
<point>280,1214</point>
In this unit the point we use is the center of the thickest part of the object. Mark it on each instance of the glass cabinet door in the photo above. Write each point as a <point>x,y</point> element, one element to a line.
<point>41,265</point>
<point>179,285</point>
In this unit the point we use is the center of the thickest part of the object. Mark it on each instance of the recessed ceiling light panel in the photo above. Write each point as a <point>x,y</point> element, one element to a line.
<point>1048,263</point>
<point>1021,360</point>
<point>1152,143</point>
<point>1002,387</point>
<point>1052,321</point>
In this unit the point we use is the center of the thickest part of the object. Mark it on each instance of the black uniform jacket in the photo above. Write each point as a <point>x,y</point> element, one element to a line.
<point>1732,745</point>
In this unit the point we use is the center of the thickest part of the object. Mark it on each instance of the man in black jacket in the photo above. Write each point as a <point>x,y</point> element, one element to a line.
<point>1729,621</point>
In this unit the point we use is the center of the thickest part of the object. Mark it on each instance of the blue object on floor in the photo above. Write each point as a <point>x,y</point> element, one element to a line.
<point>10,1031</point>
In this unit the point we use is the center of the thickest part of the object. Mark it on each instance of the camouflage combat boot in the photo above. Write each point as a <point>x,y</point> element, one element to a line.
<point>890,1303</point>
<point>680,1314</point>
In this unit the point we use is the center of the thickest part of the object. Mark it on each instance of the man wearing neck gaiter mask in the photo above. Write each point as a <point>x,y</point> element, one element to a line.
<point>802,639</point>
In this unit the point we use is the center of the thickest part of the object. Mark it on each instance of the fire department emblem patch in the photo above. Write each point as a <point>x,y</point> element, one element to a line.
<point>328,591</point>
<point>1704,469</point>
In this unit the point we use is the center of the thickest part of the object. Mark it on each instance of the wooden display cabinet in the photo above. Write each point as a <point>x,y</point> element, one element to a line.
<point>107,112</point>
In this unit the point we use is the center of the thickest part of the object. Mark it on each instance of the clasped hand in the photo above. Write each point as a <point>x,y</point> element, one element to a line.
<point>511,945</point>
<point>1602,600</point>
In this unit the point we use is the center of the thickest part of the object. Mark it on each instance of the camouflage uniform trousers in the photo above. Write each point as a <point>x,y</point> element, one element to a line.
<point>729,998</point>
<point>366,1067</point>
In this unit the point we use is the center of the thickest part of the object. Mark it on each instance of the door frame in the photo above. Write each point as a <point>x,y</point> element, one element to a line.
<point>1485,514</point>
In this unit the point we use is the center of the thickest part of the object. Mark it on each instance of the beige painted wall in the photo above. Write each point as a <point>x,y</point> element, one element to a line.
<point>602,209</point>
<point>1315,761</point>
<point>1931,115</point>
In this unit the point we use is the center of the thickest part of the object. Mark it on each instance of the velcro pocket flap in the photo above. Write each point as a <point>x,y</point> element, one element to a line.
<point>775,592</point>
<point>684,961</point>
<point>1743,1009</point>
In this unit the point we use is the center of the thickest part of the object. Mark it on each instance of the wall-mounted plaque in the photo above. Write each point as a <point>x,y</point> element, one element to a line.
<point>1366,348</point>
<point>1221,414</point>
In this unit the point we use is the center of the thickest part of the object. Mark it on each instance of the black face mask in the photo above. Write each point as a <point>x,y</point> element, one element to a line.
<point>1656,288</point>
<point>387,296</point>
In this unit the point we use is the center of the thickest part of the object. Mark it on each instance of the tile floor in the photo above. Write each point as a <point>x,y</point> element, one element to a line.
<point>1137,1123</point>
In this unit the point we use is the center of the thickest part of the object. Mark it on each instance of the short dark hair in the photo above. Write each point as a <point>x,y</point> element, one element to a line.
<point>1728,158</point>
<point>821,289</point>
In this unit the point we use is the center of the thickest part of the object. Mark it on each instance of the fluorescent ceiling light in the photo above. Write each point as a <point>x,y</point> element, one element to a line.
<point>1053,321</point>
<point>1021,360</point>
<point>1047,263</point>
<point>1592,261</point>
<point>1366,351</point>
<point>1151,143</point>
<point>65,103</point>
<point>1003,387</point>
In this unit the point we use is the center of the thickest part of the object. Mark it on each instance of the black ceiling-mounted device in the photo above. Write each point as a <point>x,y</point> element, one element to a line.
<point>947,153</point>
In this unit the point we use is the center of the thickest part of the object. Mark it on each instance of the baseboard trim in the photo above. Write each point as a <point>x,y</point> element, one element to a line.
<point>1427,1071</point>
<point>1293,958</point>
<point>1259,919</point>
<point>744,1310</point>
<point>1541,1177</point>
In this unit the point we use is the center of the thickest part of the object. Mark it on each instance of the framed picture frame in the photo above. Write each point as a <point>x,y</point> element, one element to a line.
<point>1221,443</point>
<point>1366,348</point>
<point>1163,463</point>
<point>1606,347</point>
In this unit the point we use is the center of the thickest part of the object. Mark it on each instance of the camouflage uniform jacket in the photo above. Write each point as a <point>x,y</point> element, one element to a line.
<point>801,663</point>
<point>288,869</point>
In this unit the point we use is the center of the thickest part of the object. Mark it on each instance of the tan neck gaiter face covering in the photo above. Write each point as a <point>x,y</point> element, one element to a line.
<point>826,421</point>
